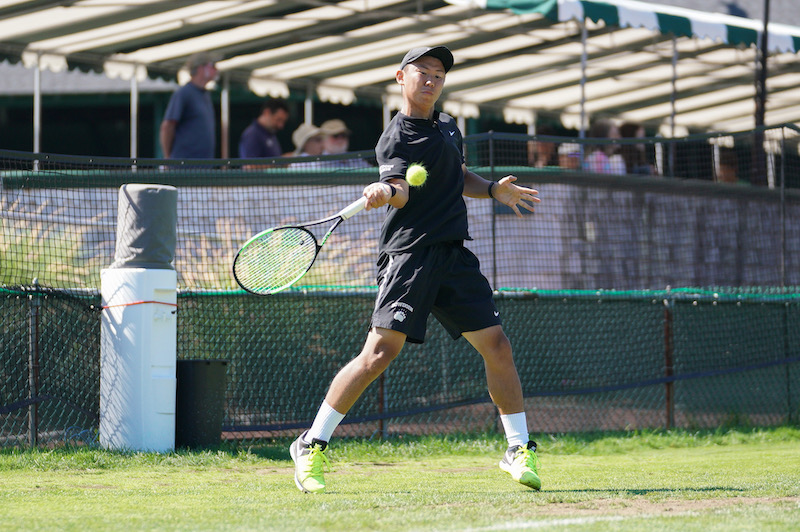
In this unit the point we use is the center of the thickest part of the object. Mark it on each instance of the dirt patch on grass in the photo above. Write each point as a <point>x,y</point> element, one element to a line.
<point>641,507</point>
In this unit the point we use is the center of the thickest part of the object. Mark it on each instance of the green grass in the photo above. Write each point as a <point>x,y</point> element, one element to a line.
<point>732,479</point>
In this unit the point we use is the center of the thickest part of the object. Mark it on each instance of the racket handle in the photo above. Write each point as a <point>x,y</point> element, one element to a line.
<point>354,208</point>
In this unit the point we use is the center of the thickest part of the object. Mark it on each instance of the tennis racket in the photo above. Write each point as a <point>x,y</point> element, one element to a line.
<point>275,259</point>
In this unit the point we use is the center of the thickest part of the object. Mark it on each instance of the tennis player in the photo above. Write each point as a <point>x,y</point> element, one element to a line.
<point>423,268</point>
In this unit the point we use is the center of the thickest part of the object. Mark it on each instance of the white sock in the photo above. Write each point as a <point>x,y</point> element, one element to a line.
<point>324,424</point>
<point>516,428</point>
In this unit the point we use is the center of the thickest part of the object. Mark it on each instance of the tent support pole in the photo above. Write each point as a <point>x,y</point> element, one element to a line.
<point>225,117</point>
<point>673,98</point>
<point>308,106</point>
<point>759,174</point>
<point>584,58</point>
<point>134,115</point>
<point>37,106</point>
<point>761,83</point>
<point>673,94</point>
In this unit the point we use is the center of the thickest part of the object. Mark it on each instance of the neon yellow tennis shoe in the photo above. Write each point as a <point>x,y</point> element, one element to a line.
<point>309,462</point>
<point>521,462</point>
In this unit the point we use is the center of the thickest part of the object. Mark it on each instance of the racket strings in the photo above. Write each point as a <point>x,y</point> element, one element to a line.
<point>276,259</point>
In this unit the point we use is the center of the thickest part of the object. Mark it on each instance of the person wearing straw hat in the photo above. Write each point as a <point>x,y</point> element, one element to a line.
<point>307,139</point>
<point>337,142</point>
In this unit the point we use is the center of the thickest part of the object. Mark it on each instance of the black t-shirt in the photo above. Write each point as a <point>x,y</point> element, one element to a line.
<point>435,211</point>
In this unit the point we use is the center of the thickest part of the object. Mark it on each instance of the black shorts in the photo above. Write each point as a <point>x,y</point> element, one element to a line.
<point>443,279</point>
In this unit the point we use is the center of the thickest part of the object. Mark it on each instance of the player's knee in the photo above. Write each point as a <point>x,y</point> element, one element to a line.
<point>375,361</point>
<point>382,346</point>
<point>499,350</point>
<point>505,353</point>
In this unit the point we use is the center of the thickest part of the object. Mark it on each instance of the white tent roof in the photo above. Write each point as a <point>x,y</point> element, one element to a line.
<point>515,61</point>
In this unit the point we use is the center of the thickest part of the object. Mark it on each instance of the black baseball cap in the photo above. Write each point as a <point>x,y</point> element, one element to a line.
<point>439,52</point>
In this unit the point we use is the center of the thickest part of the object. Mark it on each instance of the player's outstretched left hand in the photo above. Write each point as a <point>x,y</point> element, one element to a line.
<point>515,196</point>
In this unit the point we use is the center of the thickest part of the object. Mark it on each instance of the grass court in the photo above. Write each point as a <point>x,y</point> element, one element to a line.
<point>726,479</point>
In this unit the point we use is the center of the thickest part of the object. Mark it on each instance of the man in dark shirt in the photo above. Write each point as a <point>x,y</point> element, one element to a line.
<point>259,139</point>
<point>423,268</point>
<point>188,130</point>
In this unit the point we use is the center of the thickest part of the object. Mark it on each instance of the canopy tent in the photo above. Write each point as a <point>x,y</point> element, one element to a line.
<point>742,37</point>
<point>662,18</point>
<point>629,60</point>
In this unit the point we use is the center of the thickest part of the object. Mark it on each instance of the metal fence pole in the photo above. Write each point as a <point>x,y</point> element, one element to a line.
<point>33,366</point>
<point>786,306</point>
<point>783,208</point>
<point>669,370</point>
<point>787,366</point>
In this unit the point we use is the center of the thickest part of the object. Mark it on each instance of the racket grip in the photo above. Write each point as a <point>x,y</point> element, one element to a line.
<point>354,208</point>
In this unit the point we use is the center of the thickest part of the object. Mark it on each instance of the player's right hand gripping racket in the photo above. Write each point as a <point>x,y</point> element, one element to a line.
<point>275,259</point>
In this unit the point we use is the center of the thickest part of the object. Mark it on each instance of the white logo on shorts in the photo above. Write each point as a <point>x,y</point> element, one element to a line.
<point>403,305</point>
<point>400,316</point>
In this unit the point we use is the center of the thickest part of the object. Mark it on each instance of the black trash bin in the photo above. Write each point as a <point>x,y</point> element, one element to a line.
<point>200,402</point>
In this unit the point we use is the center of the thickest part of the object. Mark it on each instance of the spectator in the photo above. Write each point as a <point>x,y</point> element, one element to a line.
<point>337,141</point>
<point>728,168</point>
<point>337,137</point>
<point>260,138</point>
<point>188,130</point>
<point>635,155</point>
<point>308,143</point>
<point>604,158</point>
<point>542,153</point>
<point>569,155</point>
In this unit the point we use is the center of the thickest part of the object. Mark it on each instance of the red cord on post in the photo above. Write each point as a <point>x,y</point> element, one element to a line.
<point>141,303</point>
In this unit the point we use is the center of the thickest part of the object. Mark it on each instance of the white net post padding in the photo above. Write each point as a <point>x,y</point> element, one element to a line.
<point>139,324</point>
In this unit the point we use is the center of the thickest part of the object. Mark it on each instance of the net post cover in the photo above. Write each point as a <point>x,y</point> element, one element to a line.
<point>146,226</point>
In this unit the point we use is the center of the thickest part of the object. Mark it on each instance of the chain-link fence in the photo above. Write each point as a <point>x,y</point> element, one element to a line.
<point>607,291</point>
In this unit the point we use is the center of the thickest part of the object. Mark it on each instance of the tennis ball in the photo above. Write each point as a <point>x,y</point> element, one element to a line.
<point>416,175</point>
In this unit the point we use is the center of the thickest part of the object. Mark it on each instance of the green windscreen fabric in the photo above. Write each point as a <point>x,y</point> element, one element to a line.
<point>587,362</point>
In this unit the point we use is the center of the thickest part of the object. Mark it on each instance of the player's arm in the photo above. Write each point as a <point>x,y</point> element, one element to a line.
<point>504,191</point>
<point>380,193</point>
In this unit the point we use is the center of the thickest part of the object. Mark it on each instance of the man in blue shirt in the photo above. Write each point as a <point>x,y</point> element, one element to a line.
<point>188,130</point>
<point>259,139</point>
